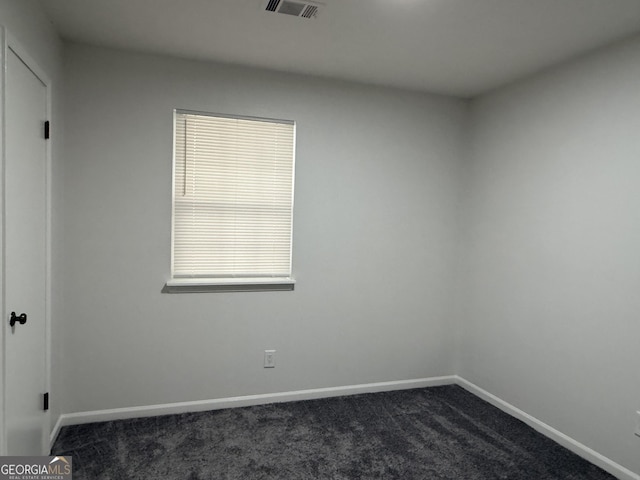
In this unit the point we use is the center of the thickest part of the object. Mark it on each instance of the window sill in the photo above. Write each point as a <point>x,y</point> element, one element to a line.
<point>202,285</point>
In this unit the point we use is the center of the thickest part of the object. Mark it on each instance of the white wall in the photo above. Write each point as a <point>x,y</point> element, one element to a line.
<point>552,277</point>
<point>375,219</point>
<point>26,23</point>
<point>548,265</point>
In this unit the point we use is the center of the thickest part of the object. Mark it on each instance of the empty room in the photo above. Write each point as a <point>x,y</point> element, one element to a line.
<point>347,239</point>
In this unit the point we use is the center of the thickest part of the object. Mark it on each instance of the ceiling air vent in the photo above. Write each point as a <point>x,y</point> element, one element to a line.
<point>302,9</point>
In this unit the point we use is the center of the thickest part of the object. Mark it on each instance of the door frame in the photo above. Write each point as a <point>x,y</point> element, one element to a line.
<point>9,42</point>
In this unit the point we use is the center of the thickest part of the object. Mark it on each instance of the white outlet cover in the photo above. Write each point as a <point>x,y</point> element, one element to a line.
<point>269,359</point>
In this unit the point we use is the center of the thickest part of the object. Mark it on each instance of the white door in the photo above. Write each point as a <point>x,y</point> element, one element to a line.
<point>25,258</point>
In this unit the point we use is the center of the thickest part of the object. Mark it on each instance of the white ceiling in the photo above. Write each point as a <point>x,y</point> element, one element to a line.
<point>456,47</point>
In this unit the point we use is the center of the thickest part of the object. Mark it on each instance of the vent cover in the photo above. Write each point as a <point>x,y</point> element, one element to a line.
<point>301,8</point>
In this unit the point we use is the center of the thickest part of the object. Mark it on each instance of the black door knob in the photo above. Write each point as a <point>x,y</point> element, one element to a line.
<point>22,319</point>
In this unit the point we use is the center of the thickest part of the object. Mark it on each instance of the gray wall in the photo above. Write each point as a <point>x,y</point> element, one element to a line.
<point>26,23</point>
<point>545,301</point>
<point>551,279</point>
<point>374,230</point>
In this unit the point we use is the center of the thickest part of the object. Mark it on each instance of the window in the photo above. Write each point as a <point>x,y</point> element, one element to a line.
<point>232,201</point>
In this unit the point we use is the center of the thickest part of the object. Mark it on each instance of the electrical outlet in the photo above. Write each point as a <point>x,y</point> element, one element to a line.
<point>269,359</point>
<point>637,432</point>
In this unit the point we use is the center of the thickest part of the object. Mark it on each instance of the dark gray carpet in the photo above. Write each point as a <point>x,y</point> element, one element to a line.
<point>431,433</point>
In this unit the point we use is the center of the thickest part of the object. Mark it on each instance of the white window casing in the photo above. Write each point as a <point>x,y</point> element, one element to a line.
<point>233,180</point>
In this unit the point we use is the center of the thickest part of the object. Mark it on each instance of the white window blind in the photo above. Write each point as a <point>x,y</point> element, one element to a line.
<point>233,197</point>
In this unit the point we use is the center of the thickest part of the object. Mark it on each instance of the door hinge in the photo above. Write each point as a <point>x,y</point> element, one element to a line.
<point>46,130</point>
<point>46,402</point>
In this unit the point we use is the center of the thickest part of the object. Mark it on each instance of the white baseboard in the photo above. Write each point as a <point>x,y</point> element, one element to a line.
<point>248,400</point>
<point>576,447</point>
<point>55,431</point>
<point>243,401</point>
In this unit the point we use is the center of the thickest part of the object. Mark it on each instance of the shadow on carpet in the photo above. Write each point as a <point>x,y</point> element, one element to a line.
<point>429,433</point>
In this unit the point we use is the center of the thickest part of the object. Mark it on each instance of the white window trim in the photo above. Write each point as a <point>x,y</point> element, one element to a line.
<point>225,284</point>
<point>195,285</point>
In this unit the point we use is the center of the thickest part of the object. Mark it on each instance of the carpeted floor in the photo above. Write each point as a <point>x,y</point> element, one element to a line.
<point>431,433</point>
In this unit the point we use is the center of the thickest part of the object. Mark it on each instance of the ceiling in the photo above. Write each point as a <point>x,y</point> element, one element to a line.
<point>454,47</point>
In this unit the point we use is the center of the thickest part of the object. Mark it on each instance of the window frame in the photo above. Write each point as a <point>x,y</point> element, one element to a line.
<point>195,284</point>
